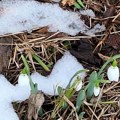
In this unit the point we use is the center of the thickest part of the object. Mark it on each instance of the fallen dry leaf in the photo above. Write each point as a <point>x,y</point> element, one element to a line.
<point>114,41</point>
<point>5,52</point>
<point>68,2</point>
<point>35,103</point>
<point>103,57</point>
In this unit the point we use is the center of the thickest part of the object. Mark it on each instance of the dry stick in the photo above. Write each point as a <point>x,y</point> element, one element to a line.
<point>110,114</point>
<point>36,39</point>
<point>106,108</point>
<point>14,53</point>
<point>111,87</point>
<point>72,105</point>
<point>103,39</point>
<point>116,21</point>
<point>56,39</point>
<point>60,118</point>
<point>102,112</point>
<point>116,17</point>
<point>102,19</point>
<point>86,103</point>
<point>73,38</point>
<point>65,112</point>
<point>18,38</point>
<point>70,114</point>
<point>92,111</point>
<point>52,35</point>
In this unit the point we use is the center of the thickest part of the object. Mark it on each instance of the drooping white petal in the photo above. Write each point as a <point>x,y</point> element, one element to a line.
<point>113,73</point>
<point>96,90</point>
<point>78,86</point>
<point>23,80</point>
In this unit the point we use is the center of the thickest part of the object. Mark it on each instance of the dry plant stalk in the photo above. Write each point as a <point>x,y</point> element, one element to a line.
<point>35,103</point>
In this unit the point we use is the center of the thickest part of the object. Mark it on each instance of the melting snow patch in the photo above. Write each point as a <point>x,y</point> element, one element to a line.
<point>87,12</point>
<point>61,74</point>
<point>18,16</point>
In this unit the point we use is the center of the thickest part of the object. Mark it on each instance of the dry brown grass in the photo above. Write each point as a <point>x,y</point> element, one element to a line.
<point>49,47</point>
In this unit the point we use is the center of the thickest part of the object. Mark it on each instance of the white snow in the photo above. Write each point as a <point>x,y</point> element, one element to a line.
<point>61,74</point>
<point>96,29</point>
<point>87,12</point>
<point>18,16</point>
<point>7,112</point>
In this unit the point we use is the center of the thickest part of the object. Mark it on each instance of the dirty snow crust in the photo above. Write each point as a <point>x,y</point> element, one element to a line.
<point>17,16</point>
<point>61,74</point>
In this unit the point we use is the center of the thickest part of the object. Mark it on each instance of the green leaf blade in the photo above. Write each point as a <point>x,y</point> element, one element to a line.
<point>90,90</point>
<point>25,64</point>
<point>81,3</point>
<point>80,99</point>
<point>41,62</point>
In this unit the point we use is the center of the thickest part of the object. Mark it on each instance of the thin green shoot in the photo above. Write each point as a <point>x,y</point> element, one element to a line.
<point>79,4</point>
<point>41,62</point>
<point>26,69</point>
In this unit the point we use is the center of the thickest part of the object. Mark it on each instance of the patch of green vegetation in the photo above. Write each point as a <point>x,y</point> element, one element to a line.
<point>79,4</point>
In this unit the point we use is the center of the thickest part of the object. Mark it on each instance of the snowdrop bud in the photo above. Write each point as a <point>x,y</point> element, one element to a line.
<point>113,73</point>
<point>96,90</point>
<point>23,80</point>
<point>78,86</point>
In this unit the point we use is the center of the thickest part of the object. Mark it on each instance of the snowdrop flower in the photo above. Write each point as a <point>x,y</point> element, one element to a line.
<point>23,80</point>
<point>113,72</point>
<point>78,86</point>
<point>96,90</point>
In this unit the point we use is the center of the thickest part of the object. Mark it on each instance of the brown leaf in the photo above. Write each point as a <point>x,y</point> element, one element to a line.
<point>5,52</point>
<point>43,30</point>
<point>68,2</point>
<point>35,103</point>
<point>103,57</point>
<point>114,41</point>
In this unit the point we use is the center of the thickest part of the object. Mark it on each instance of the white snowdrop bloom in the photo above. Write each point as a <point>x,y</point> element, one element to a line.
<point>23,80</point>
<point>78,86</point>
<point>113,73</point>
<point>96,90</point>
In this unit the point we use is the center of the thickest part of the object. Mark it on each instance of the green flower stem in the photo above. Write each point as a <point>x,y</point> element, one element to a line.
<point>31,85</point>
<point>27,70</point>
<point>107,62</point>
<point>80,71</point>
